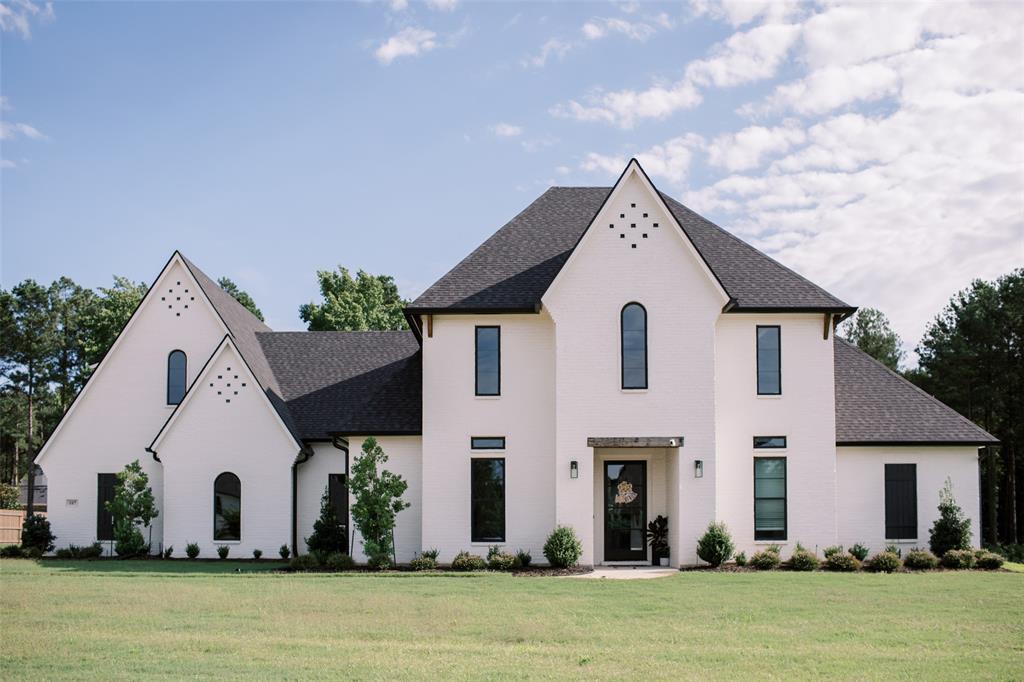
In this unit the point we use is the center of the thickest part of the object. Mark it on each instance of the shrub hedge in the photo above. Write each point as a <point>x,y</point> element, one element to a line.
<point>920,560</point>
<point>884,562</point>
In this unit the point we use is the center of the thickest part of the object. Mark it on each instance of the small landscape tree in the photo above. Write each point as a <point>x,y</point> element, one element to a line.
<point>952,530</point>
<point>328,532</point>
<point>133,504</point>
<point>378,500</point>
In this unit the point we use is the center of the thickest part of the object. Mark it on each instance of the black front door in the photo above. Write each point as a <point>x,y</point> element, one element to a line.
<point>625,511</point>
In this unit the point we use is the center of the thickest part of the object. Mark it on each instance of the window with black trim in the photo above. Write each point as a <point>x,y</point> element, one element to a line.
<point>900,501</point>
<point>769,442</point>
<point>488,360</point>
<point>337,497</point>
<point>227,507</point>
<point>769,498</point>
<point>177,364</point>
<point>487,442</point>
<point>487,499</point>
<point>634,346</point>
<point>106,486</point>
<point>769,360</point>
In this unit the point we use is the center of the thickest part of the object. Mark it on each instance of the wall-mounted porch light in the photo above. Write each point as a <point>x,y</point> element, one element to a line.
<point>574,469</point>
<point>698,468</point>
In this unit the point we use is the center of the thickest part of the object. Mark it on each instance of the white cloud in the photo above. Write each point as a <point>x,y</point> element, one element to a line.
<point>670,160</point>
<point>10,131</point>
<point>506,130</point>
<point>601,27</point>
<point>442,5</point>
<point>18,15</point>
<point>408,42</point>
<point>399,5</point>
<point>7,163</point>
<point>552,48</point>
<point>538,143</point>
<point>744,149</point>
<point>744,57</point>
<point>740,12</point>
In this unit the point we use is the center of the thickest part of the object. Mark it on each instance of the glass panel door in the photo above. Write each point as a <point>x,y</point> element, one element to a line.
<point>625,511</point>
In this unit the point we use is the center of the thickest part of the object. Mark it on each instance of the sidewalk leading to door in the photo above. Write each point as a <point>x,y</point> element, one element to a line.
<point>627,572</point>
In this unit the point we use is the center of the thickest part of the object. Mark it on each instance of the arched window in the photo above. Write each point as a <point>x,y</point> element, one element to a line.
<point>227,507</point>
<point>634,346</point>
<point>176,365</point>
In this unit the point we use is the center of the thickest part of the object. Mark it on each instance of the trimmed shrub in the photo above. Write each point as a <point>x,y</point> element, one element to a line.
<point>192,550</point>
<point>524,557</point>
<point>35,534</point>
<point>803,560</point>
<point>842,563</point>
<point>893,548</point>
<point>834,549</point>
<point>64,553</point>
<point>884,562</point>
<point>423,563</point>
<point>10,552</point>
<point>958,558</point>
<point>285,551</point>
<point>952,530</point>
<point>32,553</point>
<point>741,559</point>
<point>222,551</point>
<point>715,546</point>
<point>464,561</point>
<point>257,554</point>
<point>988,561</point>
<point>920,560</point>
<point>92,551</point>
<point>502,561</point>
<point>766,560</point>
<point>859,552</point>
<point>337,561</point>
<point>169,552</point>
<point>431,554</point>
<point>304,562</point>
<point>563,548</point>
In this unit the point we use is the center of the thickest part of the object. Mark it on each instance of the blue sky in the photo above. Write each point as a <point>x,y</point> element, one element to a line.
<point>269,140</point>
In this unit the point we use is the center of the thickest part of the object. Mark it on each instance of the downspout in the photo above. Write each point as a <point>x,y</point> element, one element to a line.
<point>304,454</point>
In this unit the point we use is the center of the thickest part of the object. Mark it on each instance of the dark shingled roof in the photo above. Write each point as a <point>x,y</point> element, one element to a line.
<point>513,269</point>
<point>874,405</point>
<point>352,383</point>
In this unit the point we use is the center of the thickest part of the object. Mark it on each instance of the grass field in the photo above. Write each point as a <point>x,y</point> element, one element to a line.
<point>118,620</point>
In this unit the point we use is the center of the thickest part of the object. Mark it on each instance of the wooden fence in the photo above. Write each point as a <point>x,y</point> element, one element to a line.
<point>11,521</point>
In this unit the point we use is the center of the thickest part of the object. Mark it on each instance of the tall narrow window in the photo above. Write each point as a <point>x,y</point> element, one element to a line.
<point>634,346</point>
<point>769,498</point>
<point>901,501</point>
<point>488,360</point>
<point>487,499</point>
<point>769,361</point>
<point>337,497</point>
<point>227,507</point>
<point>176,366</point>
<point>105,488</point>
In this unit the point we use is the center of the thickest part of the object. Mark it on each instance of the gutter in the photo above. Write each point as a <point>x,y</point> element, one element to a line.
<point>304,454</point>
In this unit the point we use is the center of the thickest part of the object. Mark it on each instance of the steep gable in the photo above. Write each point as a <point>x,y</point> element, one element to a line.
<point>511,271</point>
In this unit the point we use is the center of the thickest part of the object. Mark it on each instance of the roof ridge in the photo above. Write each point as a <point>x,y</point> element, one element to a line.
<point>911,384</point>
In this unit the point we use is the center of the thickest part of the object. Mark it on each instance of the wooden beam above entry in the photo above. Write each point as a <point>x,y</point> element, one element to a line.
<point>636,442</point>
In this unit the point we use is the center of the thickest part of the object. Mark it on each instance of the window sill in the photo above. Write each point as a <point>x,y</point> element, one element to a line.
<point>902,542</point>
<point>766,543</point>
<point>487,397</point>
<point>769,396</point>
<point>634,390</point>
<point>227,542</point>
<point>488,544</point>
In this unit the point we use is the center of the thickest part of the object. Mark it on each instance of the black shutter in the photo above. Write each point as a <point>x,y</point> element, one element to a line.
<point>106,483</point>
<point>337,497</point>
<point>901,501</point>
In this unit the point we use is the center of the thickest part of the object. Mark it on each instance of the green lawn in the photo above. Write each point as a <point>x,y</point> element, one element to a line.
<point>110,619</point>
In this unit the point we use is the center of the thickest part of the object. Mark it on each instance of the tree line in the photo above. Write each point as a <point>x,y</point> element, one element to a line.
<point>971,357</point>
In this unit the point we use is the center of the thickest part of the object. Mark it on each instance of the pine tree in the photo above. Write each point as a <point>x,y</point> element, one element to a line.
<point>328,531</point>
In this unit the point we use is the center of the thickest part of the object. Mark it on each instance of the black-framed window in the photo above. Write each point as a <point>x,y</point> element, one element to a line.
<point>634,346</point>
<point>487,499</point>
<point>901,501</point>
<point>176,376</point>
<point>337,497</point>
<point>488,360</point>
<point>106,487</point>
<point>227,507</point>
<point>769,442</point>
<point>769,498</point>
<point>487,442</point>
<point>769,360</point>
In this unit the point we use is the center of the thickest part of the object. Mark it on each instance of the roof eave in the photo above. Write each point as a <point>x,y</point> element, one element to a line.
<point>915,443</point>
<point>479,310</point>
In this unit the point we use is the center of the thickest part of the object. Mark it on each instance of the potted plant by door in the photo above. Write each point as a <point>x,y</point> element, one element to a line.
<point>657,538</point>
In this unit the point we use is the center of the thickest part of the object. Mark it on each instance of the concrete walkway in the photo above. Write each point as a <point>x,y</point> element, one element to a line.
<point>628,572</point>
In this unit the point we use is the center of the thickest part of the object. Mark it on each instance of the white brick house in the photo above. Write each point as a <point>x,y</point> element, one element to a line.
<point>606,357</point>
